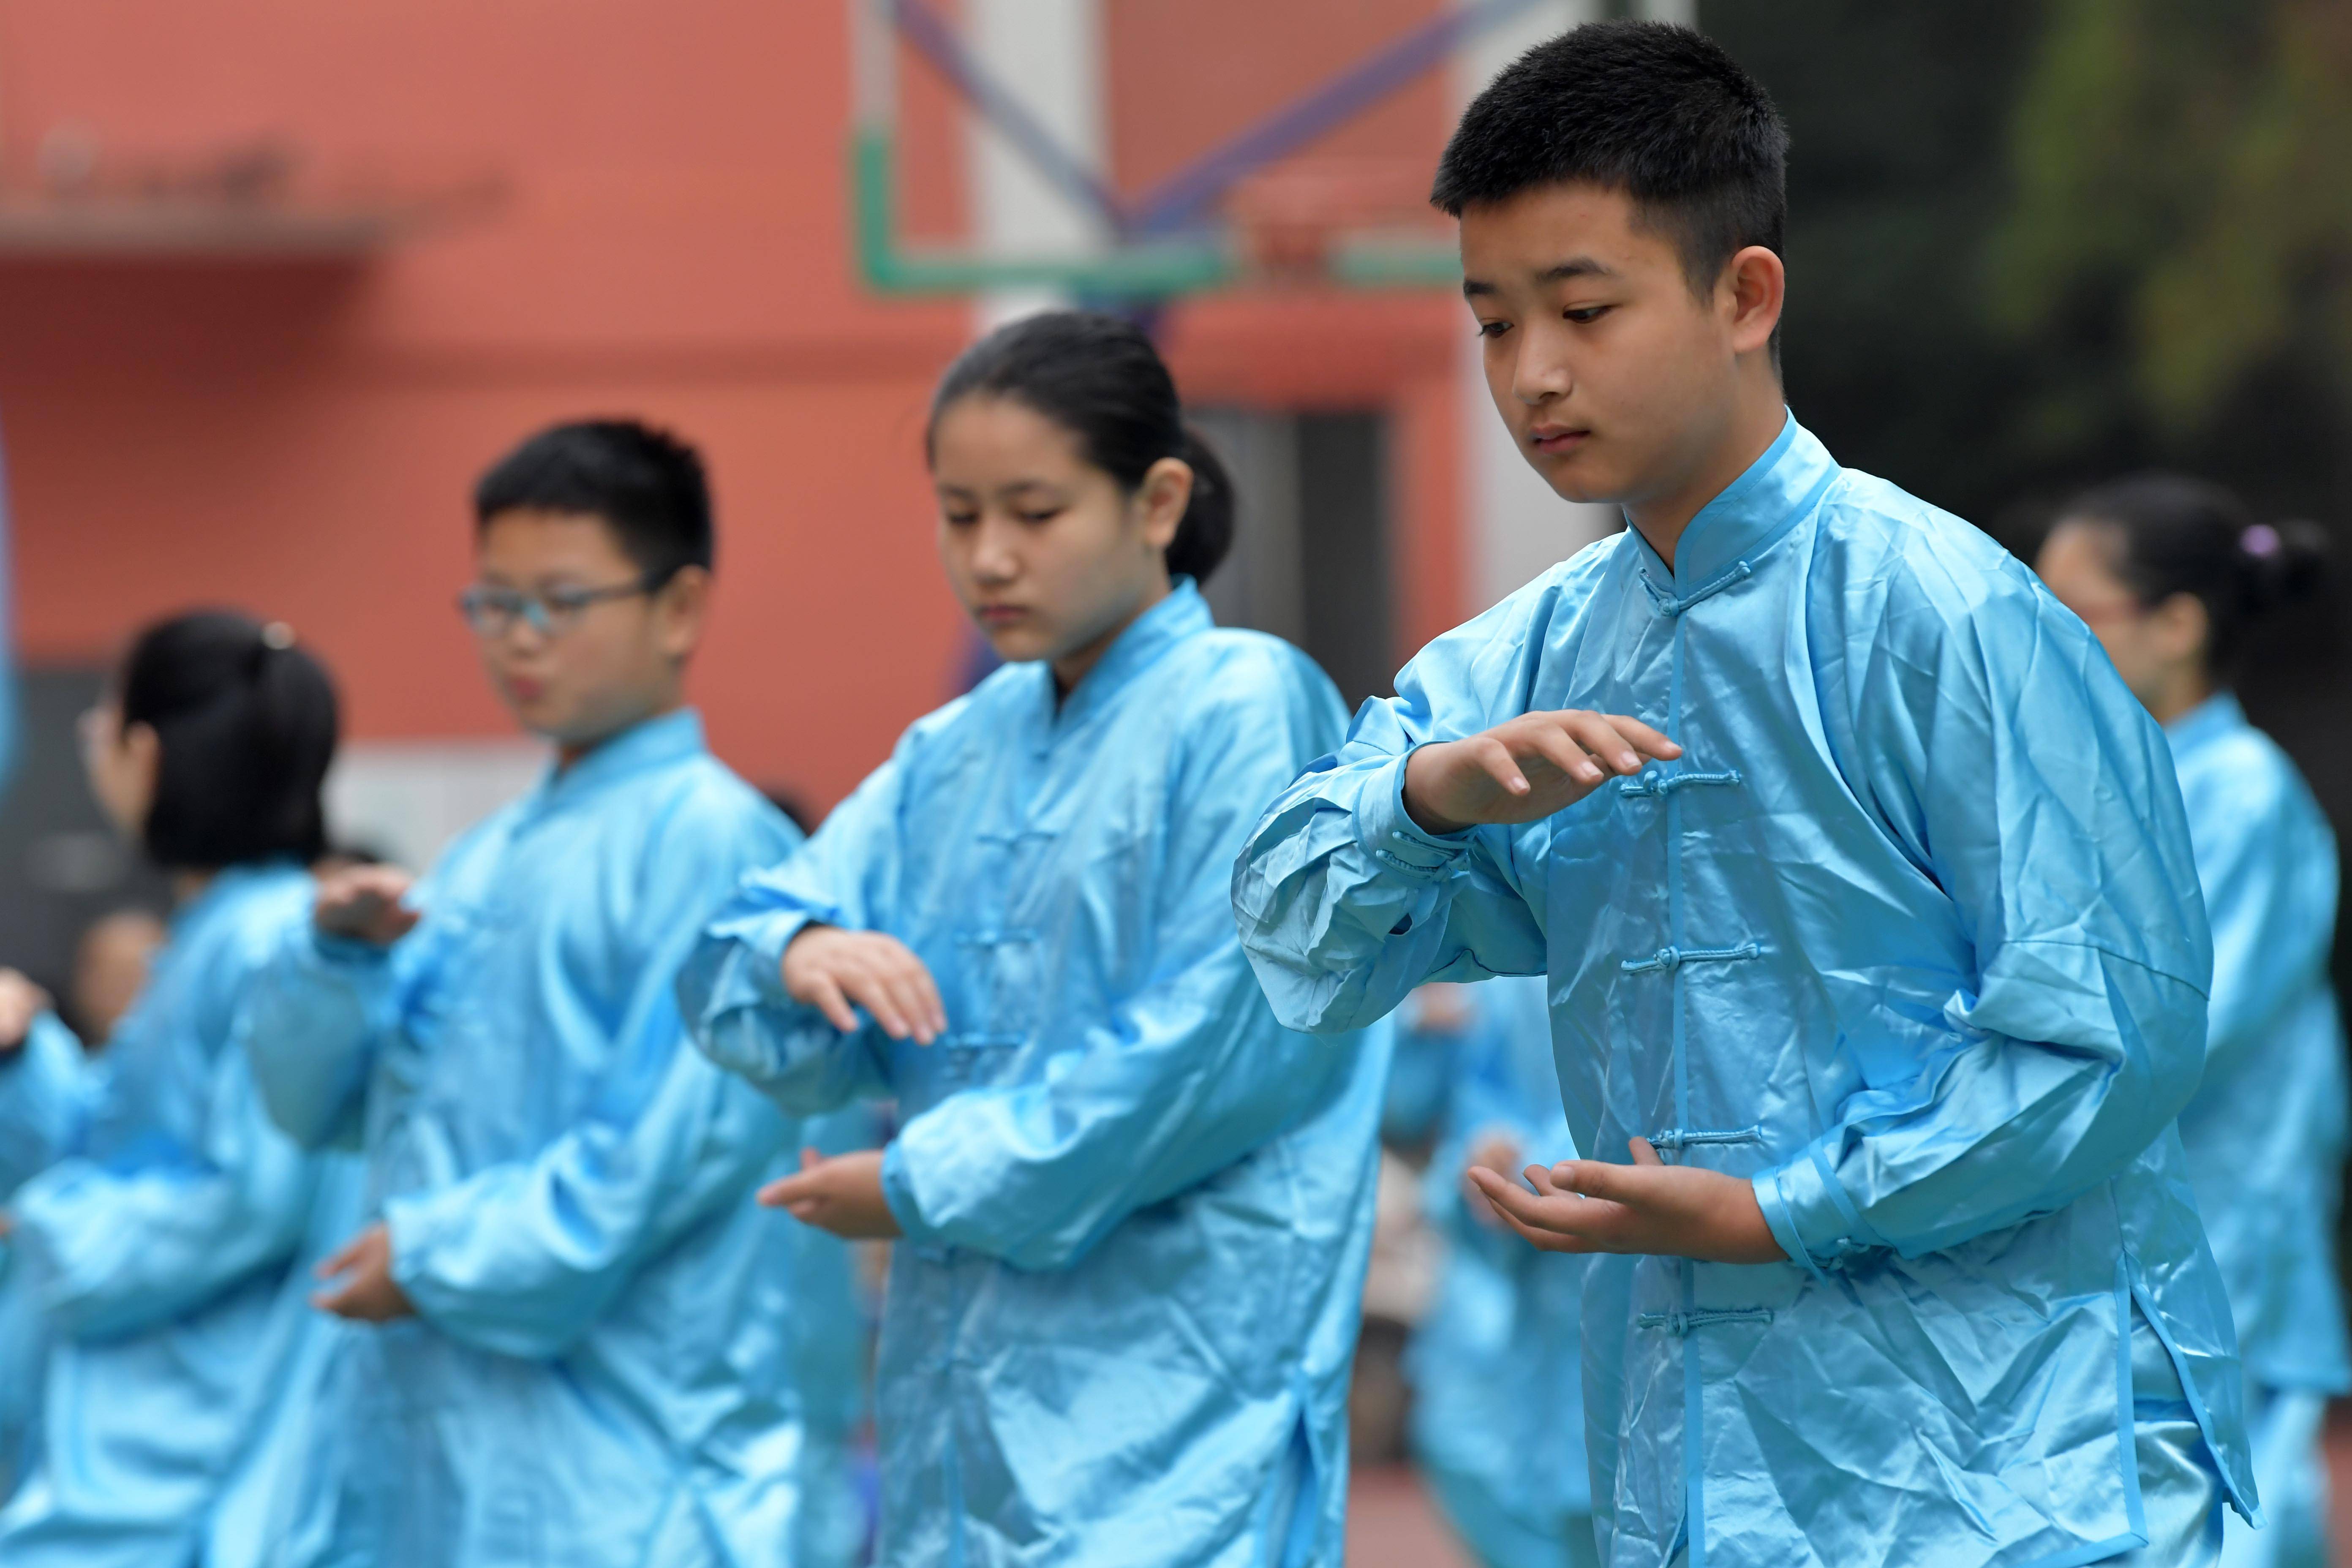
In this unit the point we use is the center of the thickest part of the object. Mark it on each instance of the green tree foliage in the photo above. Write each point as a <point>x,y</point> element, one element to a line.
<point>2191,159</point>
<point>2035,242</point>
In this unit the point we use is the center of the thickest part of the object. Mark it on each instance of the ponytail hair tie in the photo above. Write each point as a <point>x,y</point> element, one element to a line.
<point>2261,542</point>
<point>277,635</point>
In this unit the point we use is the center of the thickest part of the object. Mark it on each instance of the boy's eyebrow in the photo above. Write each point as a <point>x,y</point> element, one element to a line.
<point>1557,272</point>
<point>1576,267</point>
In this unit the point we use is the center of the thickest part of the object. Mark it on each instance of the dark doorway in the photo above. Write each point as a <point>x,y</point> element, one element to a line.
<point>1311,560</point>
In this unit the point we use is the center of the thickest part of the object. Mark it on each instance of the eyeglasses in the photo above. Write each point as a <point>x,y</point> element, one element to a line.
<point>551,612</point>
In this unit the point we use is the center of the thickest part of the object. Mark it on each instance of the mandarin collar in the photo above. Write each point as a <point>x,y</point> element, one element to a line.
<point>1748,517</point>
<point>1181,615</point>
<point>649,743</point>
<point>2211,720</point>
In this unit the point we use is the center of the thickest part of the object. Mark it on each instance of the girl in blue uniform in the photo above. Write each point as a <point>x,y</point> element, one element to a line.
<point>2171,574</point>
<point>1135,1211</point>
<point>159,1220</point>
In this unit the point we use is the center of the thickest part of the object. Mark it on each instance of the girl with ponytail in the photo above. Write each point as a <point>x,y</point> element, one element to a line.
<point>161,1221</point>
<point>2173,577</point>
<point>1135,1211</point>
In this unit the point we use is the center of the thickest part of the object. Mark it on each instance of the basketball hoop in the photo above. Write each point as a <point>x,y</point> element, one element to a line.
<point>1294,222</point>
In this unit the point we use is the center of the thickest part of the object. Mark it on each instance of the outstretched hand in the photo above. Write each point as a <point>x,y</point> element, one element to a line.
<point>21,1002</point>
<point>837,972</point>
<point>842,1194</point>
<point>1527,768</point>
<point>363,1288</point>
<point>363,903</point>
<point>1648,1206</point>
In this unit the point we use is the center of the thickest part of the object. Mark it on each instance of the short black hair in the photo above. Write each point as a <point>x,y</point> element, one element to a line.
<point>646,484</point>
<point>1097,377</point>
<point>1652,109</point>
<point>245,721</point>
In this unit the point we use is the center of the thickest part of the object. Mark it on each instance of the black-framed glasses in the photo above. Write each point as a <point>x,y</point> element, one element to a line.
<point>549,612</point>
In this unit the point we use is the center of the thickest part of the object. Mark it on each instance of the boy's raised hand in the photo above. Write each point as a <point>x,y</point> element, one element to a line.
<point>842,1194</point>
<point>363,903</point>
<point>1526,768</point>
<point>1649,1207</point>
<point>21,1002</point>
<point>836,972</point>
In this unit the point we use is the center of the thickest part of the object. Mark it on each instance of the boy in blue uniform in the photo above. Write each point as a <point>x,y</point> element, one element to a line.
<point>592,1347</point>
<point>1871,927</point>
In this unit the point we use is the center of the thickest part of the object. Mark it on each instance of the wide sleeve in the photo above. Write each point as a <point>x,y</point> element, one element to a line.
<point>119,1252</point>
<point>2269,871</point>
<point>1344,903</point>
<point>731,989</point>
<point>49,1087</point>
<point>1170,1083</point>
<point>2033,788</point>
<point>310,1030</point>
<point>520,1258</point>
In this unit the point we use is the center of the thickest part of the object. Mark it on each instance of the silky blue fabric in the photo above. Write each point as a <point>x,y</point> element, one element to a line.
<point>618,1358</point>
<point>1910,937</point>
<point>161,1227</point>
<point>24,1351</point>
<point>2266,1133</point>
<point>1497,1367</point>
<point>1137,1211</point>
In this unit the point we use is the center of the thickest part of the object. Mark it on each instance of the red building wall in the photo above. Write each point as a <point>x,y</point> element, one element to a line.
<point>299,437</point>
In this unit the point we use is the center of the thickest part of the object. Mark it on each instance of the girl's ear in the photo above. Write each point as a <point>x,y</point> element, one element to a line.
<point>1165,493</point>
<point>2181,628</point>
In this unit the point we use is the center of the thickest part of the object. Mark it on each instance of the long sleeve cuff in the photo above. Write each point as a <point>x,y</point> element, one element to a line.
<point>1388,833</point>
<point>898,1191</point>
<point>1808,1213</point>
<point>416,1223</point>
<point>766,944</point>
<point>347,951</point>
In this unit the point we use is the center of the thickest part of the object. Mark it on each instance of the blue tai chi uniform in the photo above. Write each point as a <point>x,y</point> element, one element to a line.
<point>2265,1134</point>
<point>617,1358</point>
<point>1910,938</point>
<point>1136,1210</point>
<point>1496,1366</point>
<point>164,1227</point>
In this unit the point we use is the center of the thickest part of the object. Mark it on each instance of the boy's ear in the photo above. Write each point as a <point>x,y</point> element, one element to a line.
<point>680,606</point>
<point>1757,286</point>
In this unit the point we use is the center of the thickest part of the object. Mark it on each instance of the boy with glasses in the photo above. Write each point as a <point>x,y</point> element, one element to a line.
<point>590,1346</point>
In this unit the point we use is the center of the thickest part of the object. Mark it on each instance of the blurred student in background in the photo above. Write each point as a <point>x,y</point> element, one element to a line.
<point>159,1220</point>
<point>110,970</point>
<point>589,1346</point>
<point>2171,574</point>
<point>111,965</point>
<point>1496,1365</point>
<point>1135,1211</point>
